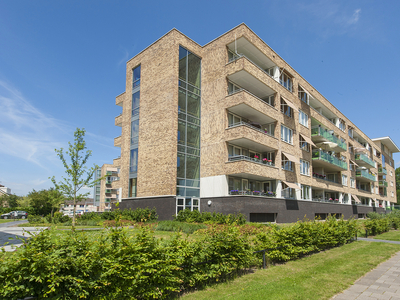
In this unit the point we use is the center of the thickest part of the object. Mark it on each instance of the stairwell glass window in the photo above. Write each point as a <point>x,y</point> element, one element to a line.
<point>304,167</point>
<point>136,77</point>
<point>303,118</point>
<point>286,134</point>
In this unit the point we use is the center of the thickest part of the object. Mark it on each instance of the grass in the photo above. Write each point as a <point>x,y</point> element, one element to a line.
<point>55,225</point>
<point>319,276</point>
<point>392,235</point>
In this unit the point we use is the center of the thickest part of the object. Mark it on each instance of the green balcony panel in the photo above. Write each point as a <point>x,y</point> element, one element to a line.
<point>382,170</point>
<point>365,174</point>
<point>324,156</point>
<point>383,183</point>
<point>365,158</point>
<point>318,131</point>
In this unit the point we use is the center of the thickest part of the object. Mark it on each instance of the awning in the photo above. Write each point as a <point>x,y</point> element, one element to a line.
<point>304,89</point>
<point>308,140</point>
<point>291,185</point>
<point>291,157</point>
<point>290,104</point>
<point>356,198</point>
<point>353,162</point>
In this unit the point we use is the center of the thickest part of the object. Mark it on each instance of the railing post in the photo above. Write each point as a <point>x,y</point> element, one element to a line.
<point>264,259</point>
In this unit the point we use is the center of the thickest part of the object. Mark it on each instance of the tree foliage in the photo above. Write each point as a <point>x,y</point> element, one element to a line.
<point>9,200</point>
<point>41,201</point>
<point>78,174</point>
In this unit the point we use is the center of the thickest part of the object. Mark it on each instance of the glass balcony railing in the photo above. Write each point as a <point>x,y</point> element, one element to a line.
<point>383,183</point>
<point>365,158</point>
<point>263,161</point>
<point>255,127</point>
<point>382,170</point>
<point>318,131</point>
<point>252,193</point>
<point>324,156</point>
<point>365,174</point>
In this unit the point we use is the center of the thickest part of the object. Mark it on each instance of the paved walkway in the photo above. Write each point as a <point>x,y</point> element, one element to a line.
<point>381,283</point>
<point>13,235</point>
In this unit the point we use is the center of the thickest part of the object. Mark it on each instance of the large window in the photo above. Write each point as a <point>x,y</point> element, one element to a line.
<point>286,81</point>
<point>352,182</point>
<point>344,180</point>
<point>286,134</point>
<point>135,103</point>
<point>304,167</point>
<point>286,164</point>
<point>303,96</point>
<point>134,160</point>
<point>136,77</point>
<point>305,192</point>
<point>303,144</point>
<point>286,109</point>
<point>135,132</point>
<point>303,118</point>
<point>188,161</point>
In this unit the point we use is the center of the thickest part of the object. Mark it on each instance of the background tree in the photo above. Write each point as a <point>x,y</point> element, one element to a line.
<point>24,202</point>
<point>56,200</point>
<point>9,200</point>
<point>78,175</point>
<point>40,201</point>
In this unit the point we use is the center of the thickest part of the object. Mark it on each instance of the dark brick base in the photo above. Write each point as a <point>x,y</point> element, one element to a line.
<point>286,211</point>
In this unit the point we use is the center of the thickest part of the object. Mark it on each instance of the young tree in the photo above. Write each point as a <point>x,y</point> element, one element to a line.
<point>40,201</point>
<point>78,175</point>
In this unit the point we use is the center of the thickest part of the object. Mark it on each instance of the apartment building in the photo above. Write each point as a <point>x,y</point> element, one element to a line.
<point>107,190</point>
<point>231,127</point>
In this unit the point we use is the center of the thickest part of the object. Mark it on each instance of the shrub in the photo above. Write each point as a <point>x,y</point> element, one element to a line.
<point>34,219</point>
<point>374,215</point>
<point>189,216</point>
<point>377,226</point>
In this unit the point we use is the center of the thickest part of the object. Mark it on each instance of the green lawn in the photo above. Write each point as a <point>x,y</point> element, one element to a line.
<point>319,276</point>
<point>6,221</point>
<point>392,235</point>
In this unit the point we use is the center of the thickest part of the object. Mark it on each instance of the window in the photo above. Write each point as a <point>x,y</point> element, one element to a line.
<point>391,173</point>
<point>286,81</point>
<point>303,96</point>
<point>286,164</point>
<point>304,167</point>
<point>270,100</point>
<point>136,77</point>
<point>286,134</point>
<point>232,56</point>
<point>305,192</point>
<point>134,160</point>
<point>233,88</point>
<point>187,203</point>
<point>352,182</point>
<point>350,131</point>
<point>344,180</point>
<point>135,103</point>
<point>391,183</point>
<point>270,129</point>
<point>303,118</point>
<point>135,132</point>
<point>342,125</point>
<point>303,144</point>
<point>286,109</point>
<point>234,120</point>
<point>392,194</point>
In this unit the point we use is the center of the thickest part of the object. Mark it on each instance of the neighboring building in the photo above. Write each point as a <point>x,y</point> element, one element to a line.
<point>4,190</point>
<point>231,127</point>
<point>83,206</point>
<point>107,190</point>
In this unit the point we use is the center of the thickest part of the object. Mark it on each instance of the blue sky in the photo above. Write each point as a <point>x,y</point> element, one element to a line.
<point>62,63</point>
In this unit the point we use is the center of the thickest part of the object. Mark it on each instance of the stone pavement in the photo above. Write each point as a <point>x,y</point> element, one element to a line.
<point>12,235</point>
<point>381,283</point>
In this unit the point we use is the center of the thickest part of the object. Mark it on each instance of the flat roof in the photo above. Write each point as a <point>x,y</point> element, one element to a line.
<point>387,141</point>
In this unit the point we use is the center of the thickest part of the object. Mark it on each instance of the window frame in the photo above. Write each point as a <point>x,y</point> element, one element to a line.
<point>284,135</point>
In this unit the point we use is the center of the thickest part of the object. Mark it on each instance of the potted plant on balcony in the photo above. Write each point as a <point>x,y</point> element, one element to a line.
<point>234,192</point>
<point>256,158</point>
<point>256,193</point>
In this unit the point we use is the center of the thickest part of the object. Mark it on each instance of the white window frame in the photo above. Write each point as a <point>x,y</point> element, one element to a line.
<point>286,134</point>
<point>303,144</point>
<point>304,167</point>
<point>287,164</point>
<point>344,180</point>
<point>184,204</point>
<point>352,182</point>
<point>305,189</point>
<point>303,118</point>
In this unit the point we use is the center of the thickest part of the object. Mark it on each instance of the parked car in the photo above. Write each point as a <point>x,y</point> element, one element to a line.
<point>17,214</point>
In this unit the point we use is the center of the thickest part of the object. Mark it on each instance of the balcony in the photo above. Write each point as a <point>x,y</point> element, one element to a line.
<point>252,125</point>
<point>324,159</point>
<point>321,135</point>
<point>253,193</point>
<point>117,141</point>
<point>364,161</point>
<point>324,177</point>
<point>118,120</point>
<point>382,171</point>
<point>256,160</point>
<point>364,175</point>
<point>383,183</point>
<point>119,100</point>
<point>336,201</point>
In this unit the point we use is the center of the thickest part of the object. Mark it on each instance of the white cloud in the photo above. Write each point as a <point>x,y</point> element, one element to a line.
<point>356,16</point>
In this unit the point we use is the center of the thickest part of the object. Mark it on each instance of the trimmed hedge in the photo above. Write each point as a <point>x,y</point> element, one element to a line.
<point>116,265</point>
<point>195,216</point>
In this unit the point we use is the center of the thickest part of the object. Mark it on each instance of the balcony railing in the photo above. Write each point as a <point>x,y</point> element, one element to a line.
<point>324,177</point>
<point>256,160</point>
<point>318,131</point>
<point>336,201</point>
<point>365,158</point>
<point>365,174</point>
<point>383,183</point>
<point>382,170</point>
<point>251,126</point>
<point>324,156</point>
<point>250,93</point>
<point>252,193</point>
